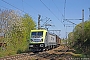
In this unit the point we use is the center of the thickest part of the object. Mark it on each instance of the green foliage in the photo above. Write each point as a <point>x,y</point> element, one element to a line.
<point>17,34</point>
<point>81,41</point>
<point>28,25</point>
<point>70,38</point>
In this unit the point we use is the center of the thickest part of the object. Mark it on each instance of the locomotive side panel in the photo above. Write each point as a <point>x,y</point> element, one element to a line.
<point>51,39</point>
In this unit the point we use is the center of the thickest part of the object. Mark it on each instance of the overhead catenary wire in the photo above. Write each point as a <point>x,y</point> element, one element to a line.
<point>57,8</point>
<point>14,6</point>
<point>51,12</point>
<point>49,9</point>
<point>3,7</point>
<point>64,8</point>
<point>59,11</point>
<point>65,14</point>
<point>22,5</point>
<point>31,6</point>
<point>64,11</point>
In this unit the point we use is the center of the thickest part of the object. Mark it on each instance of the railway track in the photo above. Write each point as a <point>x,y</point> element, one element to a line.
<point>58,53</point>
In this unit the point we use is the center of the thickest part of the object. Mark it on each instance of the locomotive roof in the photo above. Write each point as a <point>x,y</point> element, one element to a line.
<point>38,30</point>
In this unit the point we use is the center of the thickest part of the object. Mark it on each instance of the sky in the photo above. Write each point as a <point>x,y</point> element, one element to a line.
<point>54,10</point>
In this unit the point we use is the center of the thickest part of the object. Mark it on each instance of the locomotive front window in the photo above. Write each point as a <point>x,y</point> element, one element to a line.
<point>37,34</point>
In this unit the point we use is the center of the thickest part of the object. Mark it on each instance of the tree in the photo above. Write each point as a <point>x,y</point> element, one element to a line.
<point>27,25</point>
<point>81,37</point>
<point>16,30</point>
<point>70,38</point>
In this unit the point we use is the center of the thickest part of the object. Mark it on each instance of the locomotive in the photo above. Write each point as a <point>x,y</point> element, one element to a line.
<point>43,40</point>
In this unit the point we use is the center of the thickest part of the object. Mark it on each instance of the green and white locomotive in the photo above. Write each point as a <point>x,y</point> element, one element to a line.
<point>42,40</point>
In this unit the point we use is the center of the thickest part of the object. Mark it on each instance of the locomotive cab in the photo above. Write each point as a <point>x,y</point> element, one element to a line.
<point>37,38</point>
<point>42,40</point>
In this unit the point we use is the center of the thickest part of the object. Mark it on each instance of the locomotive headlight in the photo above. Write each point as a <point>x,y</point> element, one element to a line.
<point>41,45</point>
<point>31,40</point>
<point>31,45</point>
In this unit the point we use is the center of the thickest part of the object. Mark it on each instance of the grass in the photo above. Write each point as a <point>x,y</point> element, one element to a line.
<point>7,53</point>
<point>10,50</point>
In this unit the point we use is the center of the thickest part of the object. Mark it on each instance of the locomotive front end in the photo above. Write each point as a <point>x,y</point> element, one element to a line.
<point>37,40</point>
